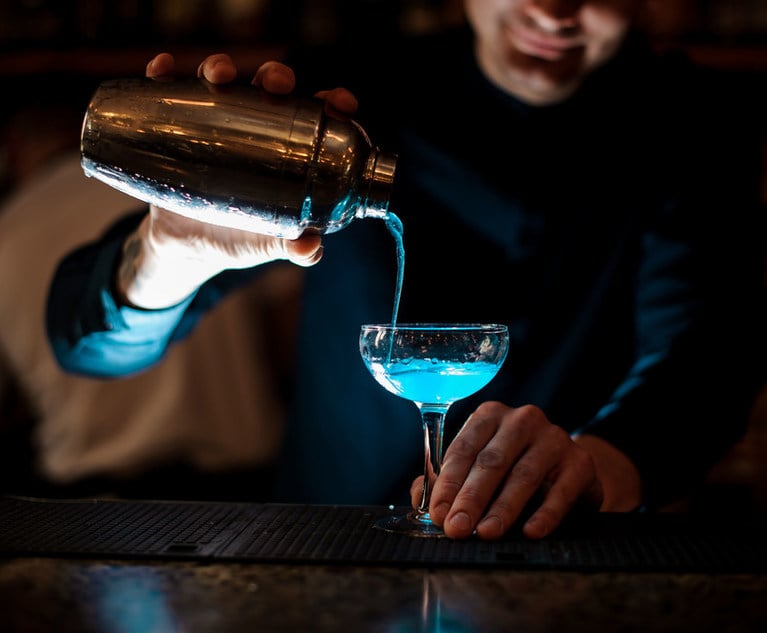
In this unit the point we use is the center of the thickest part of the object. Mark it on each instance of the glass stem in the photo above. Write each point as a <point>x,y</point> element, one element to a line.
<point>433,418</point>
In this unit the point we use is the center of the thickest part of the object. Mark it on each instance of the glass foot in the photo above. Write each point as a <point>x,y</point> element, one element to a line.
<point>410,524</point>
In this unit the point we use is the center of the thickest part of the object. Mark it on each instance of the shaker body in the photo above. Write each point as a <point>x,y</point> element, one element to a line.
<point>234,156</point>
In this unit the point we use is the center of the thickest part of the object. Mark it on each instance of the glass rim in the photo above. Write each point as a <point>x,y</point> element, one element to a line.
<point>484,327</point>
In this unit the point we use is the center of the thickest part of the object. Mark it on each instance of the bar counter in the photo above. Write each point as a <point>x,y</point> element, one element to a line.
<point>104,596</point>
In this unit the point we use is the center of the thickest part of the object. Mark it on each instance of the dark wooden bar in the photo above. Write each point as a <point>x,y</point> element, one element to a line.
<point>73,596</point>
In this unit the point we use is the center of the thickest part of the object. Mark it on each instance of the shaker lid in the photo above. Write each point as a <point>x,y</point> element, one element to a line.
<point>380,176</point>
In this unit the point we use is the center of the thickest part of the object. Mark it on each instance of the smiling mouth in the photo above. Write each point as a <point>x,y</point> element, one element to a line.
<point>543,46</point>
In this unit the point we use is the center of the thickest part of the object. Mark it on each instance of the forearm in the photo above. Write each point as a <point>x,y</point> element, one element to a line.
<point>96,331</point>
<point>92,332</point>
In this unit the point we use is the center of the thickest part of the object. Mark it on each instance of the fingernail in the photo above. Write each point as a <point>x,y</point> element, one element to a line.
<point>536,527</point>
<point>460,521</point>
<point>491,524</point>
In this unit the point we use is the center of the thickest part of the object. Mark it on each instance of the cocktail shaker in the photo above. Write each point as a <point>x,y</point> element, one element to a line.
<point>235,155</point>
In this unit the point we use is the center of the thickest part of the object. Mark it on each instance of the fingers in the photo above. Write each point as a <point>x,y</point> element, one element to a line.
<point>243,249</point>
<point>160,66</point>
<point>560,500</point>
<point>475,465</point>
<point>247,249</point>
<point>275,77</point>
<point>304,251</point>
<point>220,69</point>
<point>416,491</point>
<point>272,76</point>
<point>543,454</point>
<point>502,458</point>
<point>339,99</point>
<point>218,248</point>
<point>217,69</point>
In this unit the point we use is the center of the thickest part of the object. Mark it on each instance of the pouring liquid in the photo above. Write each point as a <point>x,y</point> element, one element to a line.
<point>394,224</point>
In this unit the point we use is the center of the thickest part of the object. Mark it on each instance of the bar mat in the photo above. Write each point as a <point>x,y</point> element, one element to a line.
<point>277,533</point>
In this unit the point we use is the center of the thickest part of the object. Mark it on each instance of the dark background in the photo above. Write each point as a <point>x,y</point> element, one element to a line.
<point>53,53</point>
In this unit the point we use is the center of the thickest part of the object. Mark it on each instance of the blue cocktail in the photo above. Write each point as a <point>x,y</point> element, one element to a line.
<point>432,365</point>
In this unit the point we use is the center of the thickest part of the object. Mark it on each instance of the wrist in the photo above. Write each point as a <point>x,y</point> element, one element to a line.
<point>153,275</point>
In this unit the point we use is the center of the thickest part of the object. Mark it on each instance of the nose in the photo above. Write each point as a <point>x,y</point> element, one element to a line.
<point>554,15</point>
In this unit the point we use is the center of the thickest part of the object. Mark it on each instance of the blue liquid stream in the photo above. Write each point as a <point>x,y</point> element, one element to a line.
<point>394,224</point>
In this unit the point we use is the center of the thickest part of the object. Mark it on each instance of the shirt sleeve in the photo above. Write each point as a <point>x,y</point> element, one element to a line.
<point>91,334</point>
<point>698,366</point>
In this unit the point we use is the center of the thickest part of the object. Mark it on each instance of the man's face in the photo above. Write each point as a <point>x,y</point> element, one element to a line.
<point>541,50</point>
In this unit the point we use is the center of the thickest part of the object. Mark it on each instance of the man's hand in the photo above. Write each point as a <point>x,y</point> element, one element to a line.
<point>505,457</point>
<point>169,256</point>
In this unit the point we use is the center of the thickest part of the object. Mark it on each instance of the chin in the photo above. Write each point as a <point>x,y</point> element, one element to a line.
<point>541,82</point>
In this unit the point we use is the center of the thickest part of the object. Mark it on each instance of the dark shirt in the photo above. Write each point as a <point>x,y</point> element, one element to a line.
<point>618,234</point>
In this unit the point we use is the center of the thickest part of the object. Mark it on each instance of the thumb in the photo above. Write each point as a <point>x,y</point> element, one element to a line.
<point>416,491</point>
<point>305,250</point>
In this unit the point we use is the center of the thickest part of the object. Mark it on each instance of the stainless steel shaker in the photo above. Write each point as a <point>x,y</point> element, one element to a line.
<point>234,155</point>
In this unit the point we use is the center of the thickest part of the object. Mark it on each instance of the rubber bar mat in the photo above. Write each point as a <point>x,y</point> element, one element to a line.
<point>276,533</point>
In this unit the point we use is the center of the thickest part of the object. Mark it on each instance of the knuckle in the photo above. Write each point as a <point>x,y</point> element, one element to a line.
<point>490,458</point>
<point>490,408</point>
<point>531,413</point>
<point>462,447</point>
<point>527,475</point>
<point>558,438</point>
<point>523,421</point>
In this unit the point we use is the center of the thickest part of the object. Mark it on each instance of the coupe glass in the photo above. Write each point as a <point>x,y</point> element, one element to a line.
<point>432,365</point>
